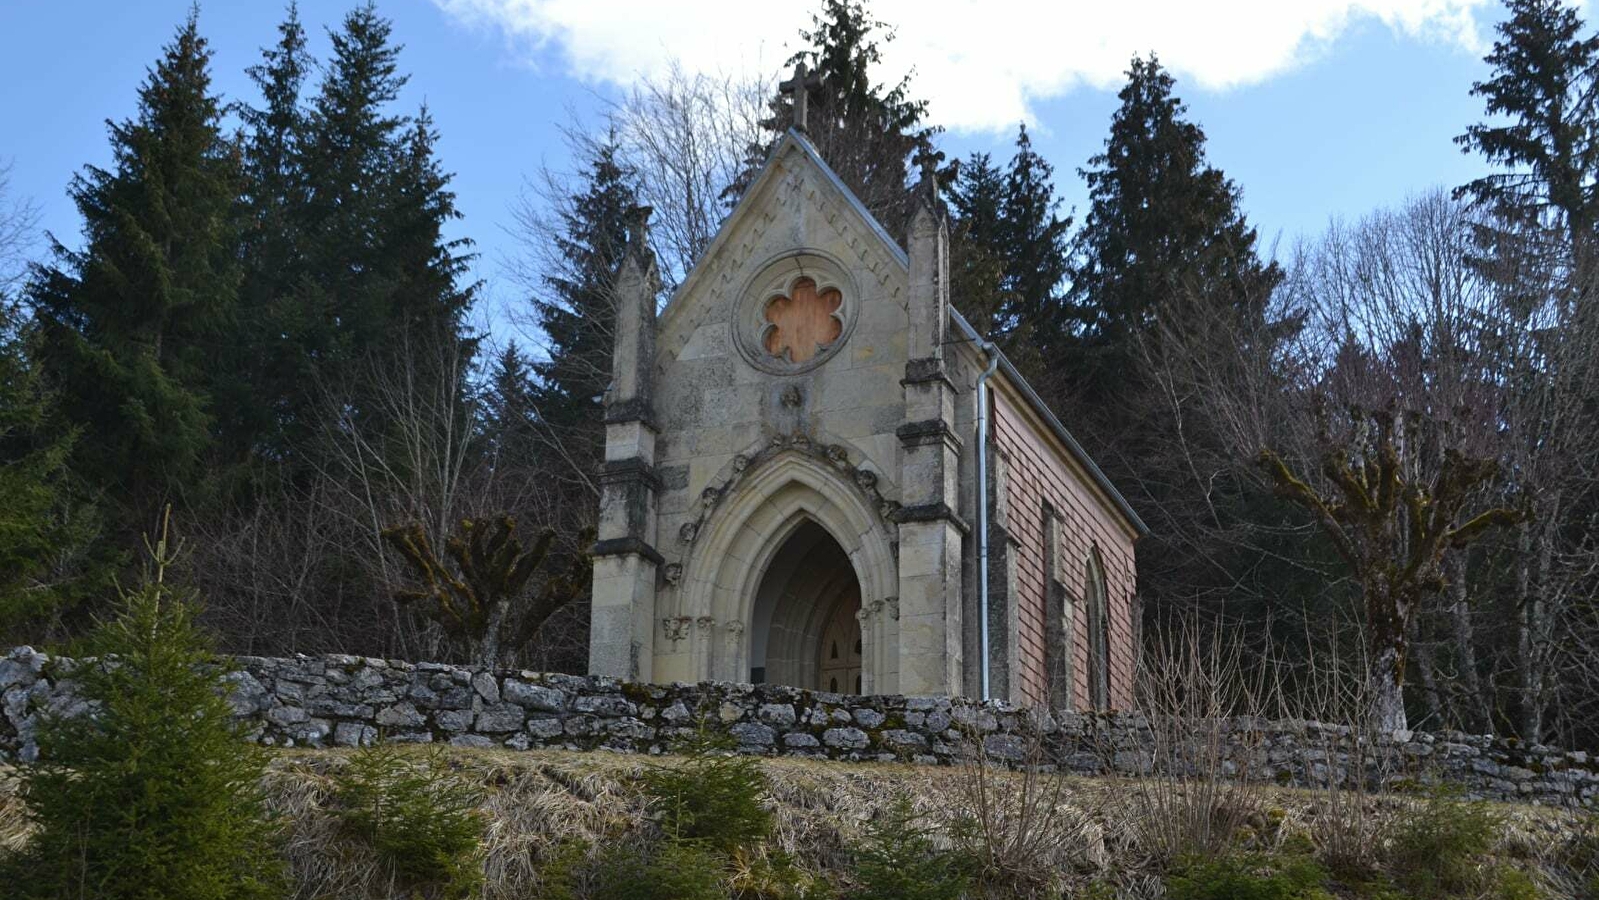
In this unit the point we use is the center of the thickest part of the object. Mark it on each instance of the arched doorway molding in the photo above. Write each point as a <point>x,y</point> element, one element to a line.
<point>749,527</point>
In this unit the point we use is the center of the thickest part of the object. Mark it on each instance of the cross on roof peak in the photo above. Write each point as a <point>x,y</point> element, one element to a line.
<point>801,85</point>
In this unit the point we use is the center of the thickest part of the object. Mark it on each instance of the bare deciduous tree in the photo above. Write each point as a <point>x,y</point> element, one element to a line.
<point>1391,528</point>
<point>475,590</point>
<point>19,226</point>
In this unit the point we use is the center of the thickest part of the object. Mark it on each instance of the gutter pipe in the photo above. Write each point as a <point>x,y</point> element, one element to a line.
<point>992,353</point>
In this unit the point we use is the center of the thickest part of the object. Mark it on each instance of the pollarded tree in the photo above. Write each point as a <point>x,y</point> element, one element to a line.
<point>133,327</point>
<point>478,590</point>
<point>1391,521</point>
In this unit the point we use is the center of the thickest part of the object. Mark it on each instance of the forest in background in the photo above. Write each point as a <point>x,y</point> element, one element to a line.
<point>1371,450</point>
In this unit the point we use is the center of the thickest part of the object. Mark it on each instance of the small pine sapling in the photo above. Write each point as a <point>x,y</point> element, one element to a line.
<point>713,797</point>
<point>153,790</point>
<point>420,818</point>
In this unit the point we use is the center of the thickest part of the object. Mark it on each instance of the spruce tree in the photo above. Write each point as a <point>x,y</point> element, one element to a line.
<point>509,418</point>
<point>44,525</point>
<point>1545,139</point>
<point>1543,81</point>
<point>1036,247</point>
<point>381,278</point>
<point>157,794</point>
<point>275,197</point>
<point>1011,218</point>
<point>869,133</point>
<point>133,327</point>
<point>577,312</point>
<point>1163,230</point>
<point>978,244</point>
<point>1164,253</point>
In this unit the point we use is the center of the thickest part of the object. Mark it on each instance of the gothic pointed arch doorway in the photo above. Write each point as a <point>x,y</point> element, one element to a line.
<point>806,630</point>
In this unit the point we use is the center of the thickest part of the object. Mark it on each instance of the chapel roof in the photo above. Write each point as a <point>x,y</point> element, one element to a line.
<point>794,139</point>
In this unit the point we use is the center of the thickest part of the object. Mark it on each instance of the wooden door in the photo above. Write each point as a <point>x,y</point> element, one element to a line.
<point>841,650</point>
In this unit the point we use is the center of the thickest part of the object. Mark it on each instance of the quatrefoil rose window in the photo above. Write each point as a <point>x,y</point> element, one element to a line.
<point>802,322</point>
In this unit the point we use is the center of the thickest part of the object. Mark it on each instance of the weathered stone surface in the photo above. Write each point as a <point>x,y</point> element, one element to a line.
<point>454,720</point>
<point>605,706</point>
<point>401,715</point>
<point>284,716</point>
<point>303,702</point>
<point>544,729</point>
<point>869,718</point>
<point>500,718</point>
<point>845,738</point>
<point>533,696</point>
<point>753,734</point>
<point>777,714</point>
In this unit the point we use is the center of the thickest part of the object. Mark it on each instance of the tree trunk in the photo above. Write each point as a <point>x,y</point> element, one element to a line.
<point>1534,629</point>
<point>487,655</point>
<point>1478,706</point>
<point>1388,617</point>
<point>1387,691</point>
<point>1426,671</point>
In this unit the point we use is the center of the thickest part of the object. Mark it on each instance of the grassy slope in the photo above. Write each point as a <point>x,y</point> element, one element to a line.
<point>536,800</point>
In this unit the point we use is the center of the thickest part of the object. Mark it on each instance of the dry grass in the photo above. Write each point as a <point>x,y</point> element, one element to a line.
<point>537,801</point>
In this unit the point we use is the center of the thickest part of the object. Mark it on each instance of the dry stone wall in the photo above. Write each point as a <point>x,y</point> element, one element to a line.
<point>347,701</point>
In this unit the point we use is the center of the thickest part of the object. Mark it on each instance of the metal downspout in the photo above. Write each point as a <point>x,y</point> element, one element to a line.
<point>992,352</point>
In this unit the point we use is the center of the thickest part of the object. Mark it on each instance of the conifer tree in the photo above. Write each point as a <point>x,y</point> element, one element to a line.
<point>44,526</point>
<point>1164,248</point>
<point>1036,252</point>
<point>158,793</point>
<point>1163,228</point>
<point>133,326</point>
<point>978,270</point>
<point>275,197</point>
<point>577,312</point>
<point>869,133</point>
<point>509,417</point>
<point>1011,217</point>
<point>381,277</point>
<point>1544,80</point>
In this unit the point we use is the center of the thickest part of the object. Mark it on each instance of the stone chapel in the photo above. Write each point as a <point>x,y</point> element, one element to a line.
<point>794,478</point>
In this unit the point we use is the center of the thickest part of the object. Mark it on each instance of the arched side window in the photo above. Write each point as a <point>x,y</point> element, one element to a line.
<point>1098,614</point>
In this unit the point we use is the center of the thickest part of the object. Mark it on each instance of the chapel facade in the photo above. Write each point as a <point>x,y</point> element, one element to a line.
<point>790,490</point>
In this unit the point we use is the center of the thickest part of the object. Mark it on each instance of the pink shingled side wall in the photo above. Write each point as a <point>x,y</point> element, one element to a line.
<point>1040,471</point>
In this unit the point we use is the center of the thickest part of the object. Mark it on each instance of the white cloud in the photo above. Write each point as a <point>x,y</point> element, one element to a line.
<point>979,63</point>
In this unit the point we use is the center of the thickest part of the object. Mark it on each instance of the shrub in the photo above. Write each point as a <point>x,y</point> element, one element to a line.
<point>1016,826</point>
<point>419,817</point>
<point>764,874</point>
<point>713,797</point>
<point>1438,848</point>
<point>157,794</point>
<point>626,871</point>
<point>1247,878</point>
<point>898,860</point>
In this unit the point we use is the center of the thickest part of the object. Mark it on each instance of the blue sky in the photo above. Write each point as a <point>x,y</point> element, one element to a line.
<point>1323,108</point>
